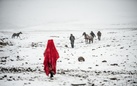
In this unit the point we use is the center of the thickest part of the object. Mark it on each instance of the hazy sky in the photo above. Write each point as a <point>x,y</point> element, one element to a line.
<point>29,13</point>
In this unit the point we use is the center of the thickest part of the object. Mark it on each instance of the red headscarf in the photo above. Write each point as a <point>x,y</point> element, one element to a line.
<point>51,55</point>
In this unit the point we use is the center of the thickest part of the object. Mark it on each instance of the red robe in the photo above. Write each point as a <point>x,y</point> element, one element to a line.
<point>51,55</point>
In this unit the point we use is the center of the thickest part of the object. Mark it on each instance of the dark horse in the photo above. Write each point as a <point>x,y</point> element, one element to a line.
<point>16,34</point>
<point>88,38</point>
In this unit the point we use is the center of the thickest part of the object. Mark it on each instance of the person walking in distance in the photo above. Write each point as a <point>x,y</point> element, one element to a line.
<point>92,34</point>
<point>99,35</point>
<point>72,39</point>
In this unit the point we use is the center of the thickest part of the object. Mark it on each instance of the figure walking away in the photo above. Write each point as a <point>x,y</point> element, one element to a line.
<point>99,35</point>
<point>72,39</point>
<point>50,58</point>
<point>92,34</point>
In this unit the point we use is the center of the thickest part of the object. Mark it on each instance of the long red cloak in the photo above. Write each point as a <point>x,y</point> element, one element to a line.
<point>50,57</point>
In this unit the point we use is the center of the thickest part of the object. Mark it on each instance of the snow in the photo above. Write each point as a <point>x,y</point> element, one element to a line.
<point>111,61</point>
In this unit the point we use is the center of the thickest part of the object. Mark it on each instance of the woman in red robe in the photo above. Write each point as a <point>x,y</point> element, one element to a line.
<point>51,55</point>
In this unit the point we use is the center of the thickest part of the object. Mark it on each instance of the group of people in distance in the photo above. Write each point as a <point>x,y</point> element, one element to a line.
<point>72,37</point>
<point>98,34</point>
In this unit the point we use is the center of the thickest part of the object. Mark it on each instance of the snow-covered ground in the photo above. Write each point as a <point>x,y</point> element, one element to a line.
<point>109,62</point>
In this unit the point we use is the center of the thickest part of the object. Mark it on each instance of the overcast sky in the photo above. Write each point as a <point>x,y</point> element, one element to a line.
<point>30,13</point>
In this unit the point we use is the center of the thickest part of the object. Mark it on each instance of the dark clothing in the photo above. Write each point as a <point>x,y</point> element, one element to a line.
<point>92,34</point>
<point>51,71</point>
<point>99,35</point>
<point>51,74</point>
<point>72,39</point>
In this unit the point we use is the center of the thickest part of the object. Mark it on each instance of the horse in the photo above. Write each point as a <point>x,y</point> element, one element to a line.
<point>88,38</point>
<point>16,34</point>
